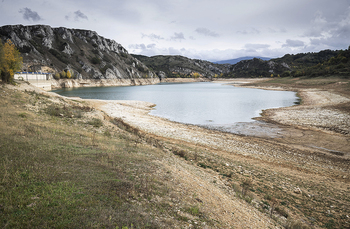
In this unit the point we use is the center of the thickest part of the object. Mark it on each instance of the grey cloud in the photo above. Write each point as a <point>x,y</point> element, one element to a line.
<point>336,35</point>
<point>151,46</point>
<point>319,25</point>
<point>153,36</point>
<point>178,36</point>
<point>79,15</point>
<point>293,43</point>
<point>30,15</point>
<point>138,46</point>
<point>249,31</point>
<point>206,32</point>
<point>256,46</point>
<point>280,30</point>
<point>174,51</point>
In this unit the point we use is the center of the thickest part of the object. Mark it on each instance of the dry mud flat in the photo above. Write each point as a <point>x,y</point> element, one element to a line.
<point>306,167</point>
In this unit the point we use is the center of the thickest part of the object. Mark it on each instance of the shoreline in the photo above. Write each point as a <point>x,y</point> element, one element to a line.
<point>292,122</point>
<point>280,125</point>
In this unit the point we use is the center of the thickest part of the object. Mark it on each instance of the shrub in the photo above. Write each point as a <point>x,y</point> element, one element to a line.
<point>57,76</point>
<point>180,153</point>
<point>95,60</point>
<point>246,185</point>
<point>95,122</point>
<point>63,111</point>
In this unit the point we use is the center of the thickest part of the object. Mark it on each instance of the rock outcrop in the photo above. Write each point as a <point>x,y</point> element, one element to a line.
<point>84,53</point>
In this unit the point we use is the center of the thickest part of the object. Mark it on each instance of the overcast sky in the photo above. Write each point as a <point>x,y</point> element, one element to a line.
<point>201,29</point>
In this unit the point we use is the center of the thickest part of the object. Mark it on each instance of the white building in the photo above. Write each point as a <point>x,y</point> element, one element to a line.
<point>32,76</point>
<point>39,79</point>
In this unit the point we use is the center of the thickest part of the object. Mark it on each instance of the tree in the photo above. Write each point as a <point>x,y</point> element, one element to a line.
<point>69,75</point>
<point>63,74</point>
<point>196,75</point>
<point>10,61</point>
<point>57,76</point>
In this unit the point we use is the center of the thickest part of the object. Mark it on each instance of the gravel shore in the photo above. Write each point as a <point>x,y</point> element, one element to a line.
<point>313,114</point>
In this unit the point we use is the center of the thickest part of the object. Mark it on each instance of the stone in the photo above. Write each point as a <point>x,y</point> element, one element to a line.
<point>297,191</point>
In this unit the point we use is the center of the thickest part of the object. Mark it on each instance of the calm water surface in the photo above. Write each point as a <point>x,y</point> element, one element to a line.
<point>194,103</point>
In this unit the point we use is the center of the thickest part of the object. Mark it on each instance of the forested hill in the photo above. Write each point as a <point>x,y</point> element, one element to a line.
<point>180,66</point>
<point>84,53</point>
<point>323,63</point>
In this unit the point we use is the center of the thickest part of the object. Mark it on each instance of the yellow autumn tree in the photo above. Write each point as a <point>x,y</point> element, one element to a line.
<point>196,75</point>
<point>69,75</point>
<point>10,61</point>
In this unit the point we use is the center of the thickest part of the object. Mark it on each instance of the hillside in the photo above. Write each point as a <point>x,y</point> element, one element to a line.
<point>256,68</point>
<point>236,60</point>
<point>84,53</point>
<point>323,63</point>
<point>180,66</point>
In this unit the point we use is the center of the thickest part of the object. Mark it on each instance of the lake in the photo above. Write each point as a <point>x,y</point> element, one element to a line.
<point>204,103</point>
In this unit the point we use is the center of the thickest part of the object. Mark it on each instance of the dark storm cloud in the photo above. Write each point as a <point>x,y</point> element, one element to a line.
<point>293,43</point>
<point>30,15</point>
<point>206,32</point>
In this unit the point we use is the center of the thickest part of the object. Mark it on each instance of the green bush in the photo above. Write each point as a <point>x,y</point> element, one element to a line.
<point>95,122</point>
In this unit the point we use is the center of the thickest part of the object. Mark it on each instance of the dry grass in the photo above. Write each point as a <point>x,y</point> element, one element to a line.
<point>89,171</point>
<point>63,170</point>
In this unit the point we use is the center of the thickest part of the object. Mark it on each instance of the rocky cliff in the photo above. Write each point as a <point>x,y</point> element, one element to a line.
<point>84,53</point>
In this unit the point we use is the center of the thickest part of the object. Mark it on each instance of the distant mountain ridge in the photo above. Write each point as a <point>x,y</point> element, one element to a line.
<point>236,60</point>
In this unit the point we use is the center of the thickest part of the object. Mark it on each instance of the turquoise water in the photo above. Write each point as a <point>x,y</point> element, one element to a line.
<point>202,103</point>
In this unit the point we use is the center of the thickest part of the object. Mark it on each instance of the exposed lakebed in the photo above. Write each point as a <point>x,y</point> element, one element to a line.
<point>213,105</point>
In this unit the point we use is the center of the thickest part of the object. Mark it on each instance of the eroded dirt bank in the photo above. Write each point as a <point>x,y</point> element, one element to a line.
<point>306,169</point>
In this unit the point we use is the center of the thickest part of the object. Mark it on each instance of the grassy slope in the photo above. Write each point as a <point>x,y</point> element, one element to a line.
<point>80,172</point>
<point>87,172</point>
